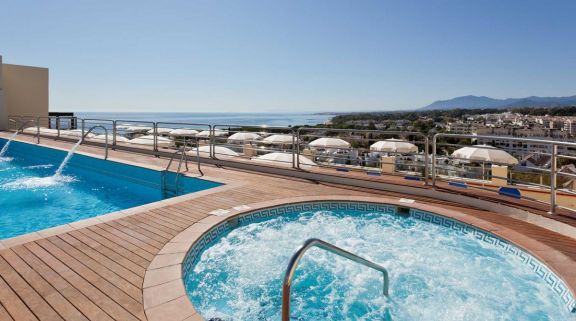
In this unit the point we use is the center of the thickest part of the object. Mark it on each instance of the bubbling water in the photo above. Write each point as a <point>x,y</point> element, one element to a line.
<point>436,273</point>
<point>38,182</point>
<point>44,182</point>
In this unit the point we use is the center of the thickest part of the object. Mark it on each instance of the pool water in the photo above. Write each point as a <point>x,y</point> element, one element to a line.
<point>436,273</point>
<point>32,198</point>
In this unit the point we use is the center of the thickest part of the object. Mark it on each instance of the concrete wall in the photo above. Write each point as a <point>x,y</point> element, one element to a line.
<point>24,91</point>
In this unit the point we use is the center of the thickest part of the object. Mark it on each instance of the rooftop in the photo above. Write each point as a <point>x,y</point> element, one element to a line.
<point>104,268</point>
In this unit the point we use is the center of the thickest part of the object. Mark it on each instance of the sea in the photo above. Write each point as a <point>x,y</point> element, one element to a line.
<point>255,119</point>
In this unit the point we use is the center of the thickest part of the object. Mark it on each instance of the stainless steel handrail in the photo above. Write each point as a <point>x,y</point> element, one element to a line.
<point>105,140</point>
<point>24,123</point>
<point>293,264</point>
<point>184,159</point>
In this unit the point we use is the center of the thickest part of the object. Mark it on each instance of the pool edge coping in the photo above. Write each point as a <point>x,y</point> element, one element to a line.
<point>164,293</point>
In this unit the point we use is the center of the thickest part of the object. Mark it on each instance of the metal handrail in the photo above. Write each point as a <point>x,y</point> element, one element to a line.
<point>293,264</point>
<point>105,140</point>
<point>24,123</point>
<point>184,159</point>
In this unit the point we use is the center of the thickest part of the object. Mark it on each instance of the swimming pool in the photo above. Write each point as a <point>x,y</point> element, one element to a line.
<point>32,198</point>
<point>440,269</point>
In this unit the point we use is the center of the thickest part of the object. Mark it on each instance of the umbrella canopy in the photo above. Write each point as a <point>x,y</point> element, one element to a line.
<point>394,146</point>
<point>328,142</point>
<point>43,130</point>
<point>138,129</point>
<point>278,139</point>
<point>218,150</point>
<point>160,131</point>
<point>485,153</point>
<point>149,141</point>
<point>284,159</point>
<point>183,132</point>
<point>75,133</point>
<point>102,138</point>
<point>123,126</point>
<point>217,133</point>
<point>244,136</point>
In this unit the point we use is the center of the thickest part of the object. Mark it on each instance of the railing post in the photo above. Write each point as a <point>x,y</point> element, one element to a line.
<point>156,137</point>
<point>298,148</point>
<point>434,140</point>
<point>212,148</point>
<point>37,130</point>
<point>58,126</point>
<point>426,152</point>
<point>83,124</point>
<point>197,153</point>
<point>553,165</point>
<point>295,155</point>
<point>114,133</point>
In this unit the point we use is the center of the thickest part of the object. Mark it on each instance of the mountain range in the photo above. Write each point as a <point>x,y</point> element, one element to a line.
<point>476,102</point>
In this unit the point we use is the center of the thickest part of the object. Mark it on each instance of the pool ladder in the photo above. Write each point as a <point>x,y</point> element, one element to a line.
<point>183,160</point>
<point>293,264</point>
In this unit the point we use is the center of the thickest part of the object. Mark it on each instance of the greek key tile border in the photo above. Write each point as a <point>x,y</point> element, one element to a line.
<point>539,268</point>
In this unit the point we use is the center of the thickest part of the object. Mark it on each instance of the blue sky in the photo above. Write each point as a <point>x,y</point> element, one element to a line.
<point>290,56</point>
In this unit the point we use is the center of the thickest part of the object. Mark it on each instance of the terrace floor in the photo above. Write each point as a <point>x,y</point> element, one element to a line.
<point>96,272</point>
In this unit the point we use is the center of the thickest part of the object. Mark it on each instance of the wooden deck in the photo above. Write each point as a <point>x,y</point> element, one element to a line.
<point>97,272</point>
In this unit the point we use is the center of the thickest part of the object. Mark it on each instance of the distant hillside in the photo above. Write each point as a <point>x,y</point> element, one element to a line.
<point>475,102</point>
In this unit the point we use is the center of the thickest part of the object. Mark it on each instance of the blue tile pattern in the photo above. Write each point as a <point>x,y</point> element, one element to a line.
<point>539,268</point>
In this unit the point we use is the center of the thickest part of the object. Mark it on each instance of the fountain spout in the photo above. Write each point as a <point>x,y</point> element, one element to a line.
<point>5,147</point>
<point>105,140</point>
<point>73,149</point>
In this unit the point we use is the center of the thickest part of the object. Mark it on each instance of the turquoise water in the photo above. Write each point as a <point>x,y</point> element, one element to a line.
<point>32,199</point>
<point>435,273</point>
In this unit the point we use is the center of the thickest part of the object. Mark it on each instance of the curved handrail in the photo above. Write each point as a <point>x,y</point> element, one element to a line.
<point>105,133</point>
<point>293,264</point>
<point>24,123</point>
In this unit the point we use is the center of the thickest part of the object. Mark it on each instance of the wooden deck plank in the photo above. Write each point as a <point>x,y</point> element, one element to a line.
<point>4,315</point>
<point>41,309</point>
<point>175,216</point>
<point>140,228</point>
<point>103,271</point>
<point>184,213</point>
<point>146,255</point>
<point>101,299</point>
<point>85,275</point>
<point>167,218</point>
<point>135,232</point>
<point>129,238</point>
<point>109,247</point>
<point>117,268</point>
<point>62,306</point>
<point>79,300</point>
<point>13,304</point>
<point>104,251</point>
<point>152,219</point>
<point>150,224</point>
